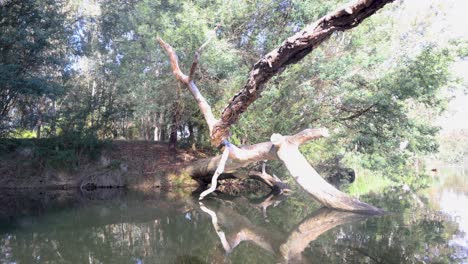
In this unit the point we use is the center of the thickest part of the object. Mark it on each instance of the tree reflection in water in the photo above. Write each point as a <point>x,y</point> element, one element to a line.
<point>272,240</point>
<point>126,227</point>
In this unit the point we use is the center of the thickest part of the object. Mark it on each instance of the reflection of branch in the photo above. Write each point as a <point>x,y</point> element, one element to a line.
<point>219,232</point>
<point>244,230</point>
<point>318,223</point>
<point>271,199</point>
<point>291,250</point>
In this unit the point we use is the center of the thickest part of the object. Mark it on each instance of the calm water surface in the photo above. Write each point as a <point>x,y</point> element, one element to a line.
<point>118,226</point>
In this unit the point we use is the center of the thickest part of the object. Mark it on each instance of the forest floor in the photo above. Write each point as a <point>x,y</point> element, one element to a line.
<point>139,164</point>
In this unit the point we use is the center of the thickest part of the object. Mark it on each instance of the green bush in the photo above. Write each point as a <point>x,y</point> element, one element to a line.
<point>62,152</point>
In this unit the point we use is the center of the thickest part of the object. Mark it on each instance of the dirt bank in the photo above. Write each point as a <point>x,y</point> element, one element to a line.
<point>133,164</point>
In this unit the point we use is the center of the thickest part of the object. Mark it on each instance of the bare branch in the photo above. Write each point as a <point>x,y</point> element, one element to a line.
<point>308,178</point>
<point>275,183</point>
<point>205,108</point>
<point>174,60</point>
<point>219,170</point>
<point>358,113</point>
<point>198,53</point>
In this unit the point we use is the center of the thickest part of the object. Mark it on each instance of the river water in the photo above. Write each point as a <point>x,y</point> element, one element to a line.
<point>120,226</point>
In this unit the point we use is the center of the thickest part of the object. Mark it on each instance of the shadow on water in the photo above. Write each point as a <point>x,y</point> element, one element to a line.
<point>120,226</point>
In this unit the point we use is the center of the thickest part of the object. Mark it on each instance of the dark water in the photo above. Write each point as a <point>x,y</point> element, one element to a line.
<point>118,226</point>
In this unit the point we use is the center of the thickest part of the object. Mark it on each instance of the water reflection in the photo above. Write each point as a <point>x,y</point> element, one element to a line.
<point>118,226</point>
<point>272,240</point>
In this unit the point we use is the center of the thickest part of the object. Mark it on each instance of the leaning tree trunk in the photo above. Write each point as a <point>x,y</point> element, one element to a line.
<point>284,148</point>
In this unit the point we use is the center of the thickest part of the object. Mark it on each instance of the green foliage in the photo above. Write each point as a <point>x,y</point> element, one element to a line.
<point>32,57</point>
<point>368,182</point>
<point>61,152</point>
<point>454,147</point>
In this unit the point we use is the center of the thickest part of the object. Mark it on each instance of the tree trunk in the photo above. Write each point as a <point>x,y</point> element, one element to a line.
<point>175,120</point>
<point>312,182</point>
<point>173,134</point>
<point>191,136</point>
<point>53,122</point>
<point>284,148</point>
<point>39,126</point>
<point>156,127</point>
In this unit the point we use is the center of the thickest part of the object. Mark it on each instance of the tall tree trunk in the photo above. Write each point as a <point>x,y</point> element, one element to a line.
<point>39,126</point>
<point>53,122</point>
<point>173,134</point>
<point>162,126</point>
<point>156,128</point>
<point>175,120</point>
<point>190,129</point>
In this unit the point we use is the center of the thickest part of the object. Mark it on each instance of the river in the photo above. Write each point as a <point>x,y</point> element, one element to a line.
<point>121,226</point>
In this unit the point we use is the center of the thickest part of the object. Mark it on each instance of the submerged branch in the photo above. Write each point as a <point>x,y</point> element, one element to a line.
<point>308,178</point>
<point>284,148</point>
<point>219,170</point>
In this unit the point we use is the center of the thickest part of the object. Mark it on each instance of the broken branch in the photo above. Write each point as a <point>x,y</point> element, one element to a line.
<point>198,53</point>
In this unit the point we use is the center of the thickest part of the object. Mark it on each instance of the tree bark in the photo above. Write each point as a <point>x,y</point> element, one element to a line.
<point>291,51</point>
<point>311,181</point>
<point>175,120</point>
<point>285,148</point>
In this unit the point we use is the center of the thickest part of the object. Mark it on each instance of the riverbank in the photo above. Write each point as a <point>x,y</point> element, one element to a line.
<point>131,164</point>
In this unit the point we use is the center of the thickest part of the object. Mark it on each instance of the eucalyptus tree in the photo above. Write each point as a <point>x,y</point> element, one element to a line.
<point>33,47</point>
<point>281,147</point>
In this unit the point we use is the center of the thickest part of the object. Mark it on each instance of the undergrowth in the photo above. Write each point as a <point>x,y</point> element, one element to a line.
<point>61,152</point>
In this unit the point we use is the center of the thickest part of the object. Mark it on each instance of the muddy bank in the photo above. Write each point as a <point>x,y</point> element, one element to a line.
<point>135,164</point>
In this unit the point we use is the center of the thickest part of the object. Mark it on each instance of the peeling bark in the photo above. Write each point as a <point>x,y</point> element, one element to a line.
<point>291,51</point>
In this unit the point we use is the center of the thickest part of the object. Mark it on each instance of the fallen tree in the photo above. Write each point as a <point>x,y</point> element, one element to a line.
<point>284,148</point>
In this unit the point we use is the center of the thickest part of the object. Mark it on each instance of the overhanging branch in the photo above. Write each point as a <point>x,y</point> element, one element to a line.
<point>291,51</point>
